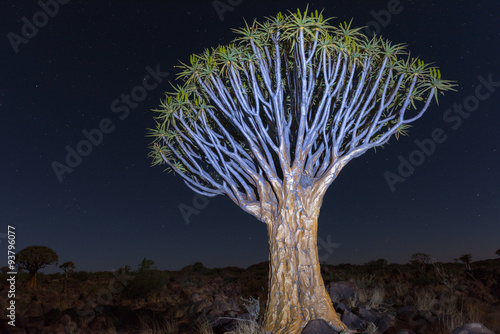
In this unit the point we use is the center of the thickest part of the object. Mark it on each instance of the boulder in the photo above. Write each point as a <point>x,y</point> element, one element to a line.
<point>405,331</point>
<point>318,326</point>
<point>472,328</point>
<point>341,291</point>
<point>368,315</point>
<point>65,319</point>
<point>353,321</point>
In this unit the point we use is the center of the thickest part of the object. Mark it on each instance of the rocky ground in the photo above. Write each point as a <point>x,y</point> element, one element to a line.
<point>373,298</point>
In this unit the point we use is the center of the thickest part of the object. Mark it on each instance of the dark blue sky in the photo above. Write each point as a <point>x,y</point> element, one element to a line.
<point>73,74</point>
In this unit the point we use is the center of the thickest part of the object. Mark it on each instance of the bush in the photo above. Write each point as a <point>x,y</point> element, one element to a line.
<point>148,281</point>
<point>81,275</point>
<point>377,264</point>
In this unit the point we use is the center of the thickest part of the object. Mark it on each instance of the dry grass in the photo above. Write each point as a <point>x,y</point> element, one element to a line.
<point>250,327</point>
<point>371,297</point>
<point>425,300</point>
<point>204,327</point>
<point>152,326</point>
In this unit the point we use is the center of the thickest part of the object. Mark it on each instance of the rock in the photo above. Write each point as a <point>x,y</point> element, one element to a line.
<point>405,331</point>
<point>368,315</point>
<point>99,323</point>
<point>58,329</point>
<point>84,331</point>
<point>185,328</point>
<point>341,291</point>
<point>65,319</point>
<point>71,328</point>
<point>407,313</point>
<point>52,316</point>
<point>14,330</point>
<point>35,324</point>
<point>341,307</point>
<point>353,321</point>
<point>384,323</point>
<point>318,326</point>
<point>199,306</point>
<point>472,328</point>
<point>409,300</point>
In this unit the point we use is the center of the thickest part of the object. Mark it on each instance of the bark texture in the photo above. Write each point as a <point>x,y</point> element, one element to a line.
<point>296,289</point>
<point>31,283</point>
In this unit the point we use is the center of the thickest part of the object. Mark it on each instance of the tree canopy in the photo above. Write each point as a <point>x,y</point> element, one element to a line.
<point>34,258</point>
<point>292,93</point>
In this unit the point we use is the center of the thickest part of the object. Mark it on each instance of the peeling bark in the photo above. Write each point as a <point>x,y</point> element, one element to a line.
<point>296,289</point>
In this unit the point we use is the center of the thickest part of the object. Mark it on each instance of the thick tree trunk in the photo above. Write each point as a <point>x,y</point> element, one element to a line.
<point>296,289</point>
<point>31,283</point>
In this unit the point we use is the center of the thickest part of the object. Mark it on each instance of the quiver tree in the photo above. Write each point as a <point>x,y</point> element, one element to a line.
<point>68,268</point>
<point>34,258</point>
<point>466,259</point>
<point>271,119</point>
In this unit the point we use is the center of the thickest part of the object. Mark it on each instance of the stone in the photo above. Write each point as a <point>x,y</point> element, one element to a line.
<point>318,326</point>
<point>405,331</point>
<point>384,323</point>
<point>341,291</point>
<point>409,300</point>
<point>35,324</point>
<point>65,319</point>
<point>472,328</point>
<point>353,321</point>
<point>14,330</point>
<point>58,329</point>
<point>368,315</point>
<point>71,328</point>
<point>341,307</point>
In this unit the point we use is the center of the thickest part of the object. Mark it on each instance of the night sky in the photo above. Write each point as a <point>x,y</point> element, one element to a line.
<point>76,72</point>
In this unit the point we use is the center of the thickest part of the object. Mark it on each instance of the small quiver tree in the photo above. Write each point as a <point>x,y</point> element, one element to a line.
<point>68,268</point>
<point>466,259</point>
<point>34,258</point>
<point>272,118</point>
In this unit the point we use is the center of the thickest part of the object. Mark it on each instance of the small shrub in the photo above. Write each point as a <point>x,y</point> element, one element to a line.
<point>379,264</point>
<point>81,276</point>
<point>148,281</point>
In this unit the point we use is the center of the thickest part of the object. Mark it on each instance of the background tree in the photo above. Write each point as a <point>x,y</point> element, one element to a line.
<point>34,258</point>
<point>147,281</point>
<point>146,265</point>
<point>272,118</point>
<point>68,268</point>
<point>498,252</point>
<point>420,260</point>
<point>466,259</point>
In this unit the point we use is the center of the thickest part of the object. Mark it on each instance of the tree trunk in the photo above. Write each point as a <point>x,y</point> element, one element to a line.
<point>296,289</point>
<point>31,280</point>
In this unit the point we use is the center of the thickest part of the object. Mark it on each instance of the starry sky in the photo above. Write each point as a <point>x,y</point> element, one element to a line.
<point>74,74</point>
